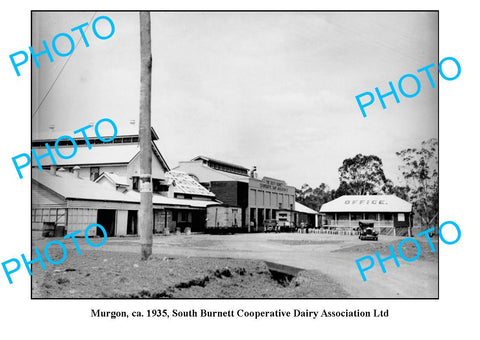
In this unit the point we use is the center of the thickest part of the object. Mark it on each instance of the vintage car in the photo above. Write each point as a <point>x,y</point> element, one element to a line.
<point>366,230</point>
<point>270,226</point>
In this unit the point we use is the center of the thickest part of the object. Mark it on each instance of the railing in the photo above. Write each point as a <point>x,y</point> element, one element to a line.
<point>345,231</point>
<point>349,227</point>
<point>354,224</point>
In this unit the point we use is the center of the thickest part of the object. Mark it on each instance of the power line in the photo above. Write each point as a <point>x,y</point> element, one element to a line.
<point>63,67</point>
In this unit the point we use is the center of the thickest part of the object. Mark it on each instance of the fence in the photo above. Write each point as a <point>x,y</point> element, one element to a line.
<point>341,228</point>
<point>354,223</point>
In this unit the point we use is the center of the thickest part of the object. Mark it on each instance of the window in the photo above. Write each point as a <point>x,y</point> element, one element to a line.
<point>386,217</point>
<point>158,185</point>
<point>94,173</point>
<point>135,183</point>
<point>183,216</point>
<point>401,217</point>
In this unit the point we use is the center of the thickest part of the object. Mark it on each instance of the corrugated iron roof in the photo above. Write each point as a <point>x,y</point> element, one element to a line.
<point>98,154</point>
<point>67,185</point>
<point>367,203</point>
<point>70,187</point>
<point>122,131</point>
<point>185,184</point>
<point>207,174</point>
<point>220,162</point>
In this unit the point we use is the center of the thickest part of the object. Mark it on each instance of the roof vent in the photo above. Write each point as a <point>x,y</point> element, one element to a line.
<point>76,171</point>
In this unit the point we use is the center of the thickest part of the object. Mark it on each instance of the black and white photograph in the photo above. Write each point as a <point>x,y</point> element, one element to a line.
<point>239,170</point>
<point>265,180</point>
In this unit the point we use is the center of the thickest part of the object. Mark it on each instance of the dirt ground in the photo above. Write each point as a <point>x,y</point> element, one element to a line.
<point>231,266</point>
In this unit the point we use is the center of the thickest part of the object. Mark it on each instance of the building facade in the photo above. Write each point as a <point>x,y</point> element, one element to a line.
<point>391,214</point>
<point>100,185</point>
<point>120,157</point>
<point>234,185</point>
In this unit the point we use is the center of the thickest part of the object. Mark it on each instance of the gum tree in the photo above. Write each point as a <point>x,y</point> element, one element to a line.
<point>420,170</point>
<point>361,175</point>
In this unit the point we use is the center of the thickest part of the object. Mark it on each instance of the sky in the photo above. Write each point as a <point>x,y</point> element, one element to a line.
<point>271,89</point>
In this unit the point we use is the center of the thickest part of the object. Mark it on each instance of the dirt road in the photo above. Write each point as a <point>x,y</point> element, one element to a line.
<point>333,255</point>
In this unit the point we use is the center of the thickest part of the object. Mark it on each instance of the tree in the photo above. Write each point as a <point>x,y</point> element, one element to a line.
<point>420,170</point>
<point>314,198</point>
<point>304,191</point>
<point>361,175</point>
<point>400,191</point>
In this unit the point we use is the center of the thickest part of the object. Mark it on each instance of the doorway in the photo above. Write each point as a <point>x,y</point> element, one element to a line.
<point>132,222</point>
<point>106,218</point>
<point>198,221</point>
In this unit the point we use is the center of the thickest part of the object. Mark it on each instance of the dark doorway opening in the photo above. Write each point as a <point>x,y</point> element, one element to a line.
<point>198,221</point>
<point>261,218</point>
<point>106,218</point>
<point>132,222</point>
<point>253,219</point>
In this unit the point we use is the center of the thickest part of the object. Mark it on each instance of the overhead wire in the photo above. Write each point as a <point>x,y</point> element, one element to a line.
<point>61,70</point>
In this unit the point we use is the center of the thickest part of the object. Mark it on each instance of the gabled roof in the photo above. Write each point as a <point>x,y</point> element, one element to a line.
<point>113,178</point>
<point>219,162</point>
<point>70,187</point>
<point>299,207</point>
<point>67,185</point>
<point>156,151</point>
<point>99,154</point>
<point>367,203</point>
<point>183,183</point>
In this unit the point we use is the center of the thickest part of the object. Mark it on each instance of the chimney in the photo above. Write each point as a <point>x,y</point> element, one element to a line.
<point>253,172</point>
<point>76,171</point>
<point>53,170</point>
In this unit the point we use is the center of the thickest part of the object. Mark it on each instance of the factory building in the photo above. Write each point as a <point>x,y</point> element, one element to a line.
<point>259,199</point>
<point>100,185</point>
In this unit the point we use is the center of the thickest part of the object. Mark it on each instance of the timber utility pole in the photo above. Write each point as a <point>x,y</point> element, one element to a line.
<point>145,217</point>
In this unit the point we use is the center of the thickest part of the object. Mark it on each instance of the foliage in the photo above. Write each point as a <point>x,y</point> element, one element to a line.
<point>420,170</point>
<point>314,198</point>
<point>361,175</point>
